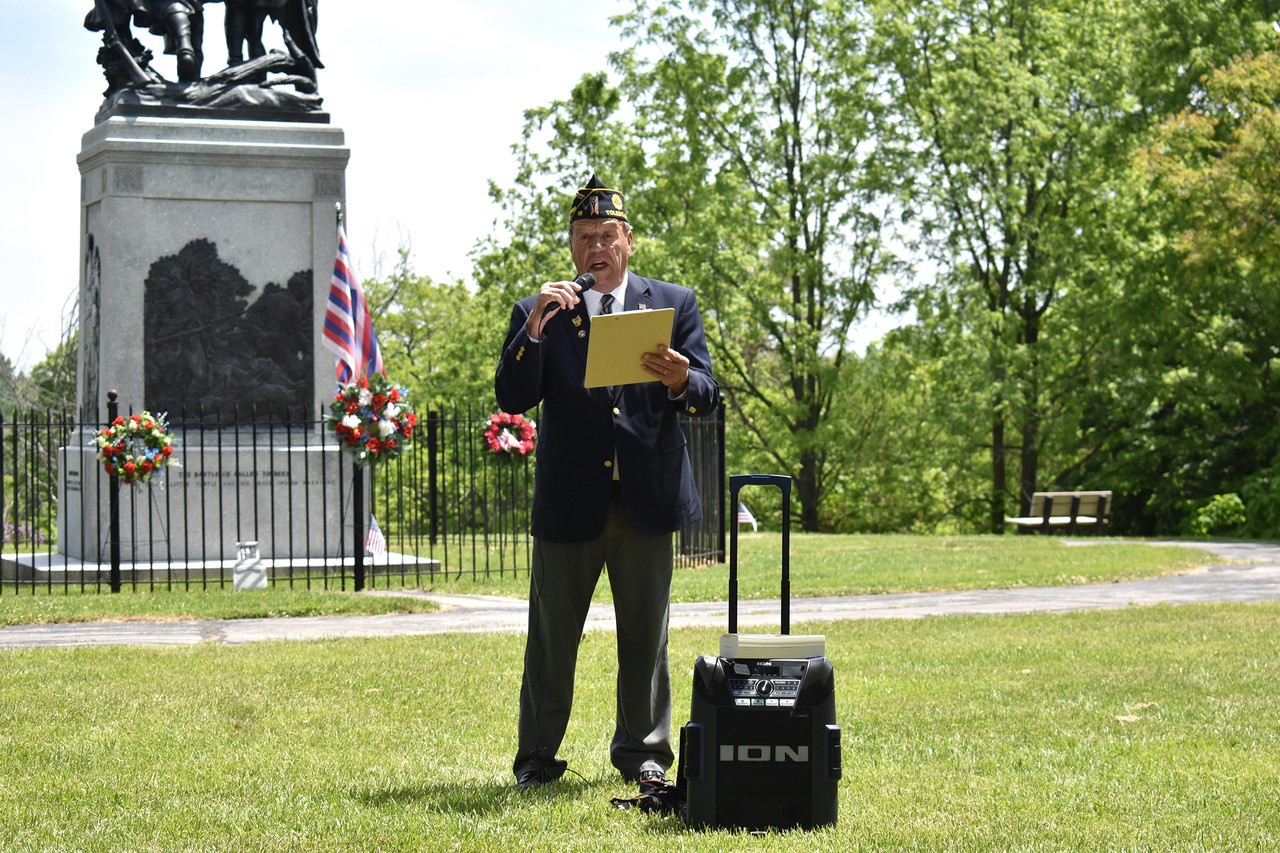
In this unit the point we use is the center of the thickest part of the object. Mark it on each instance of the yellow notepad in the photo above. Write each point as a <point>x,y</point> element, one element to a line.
<point>618,341</point>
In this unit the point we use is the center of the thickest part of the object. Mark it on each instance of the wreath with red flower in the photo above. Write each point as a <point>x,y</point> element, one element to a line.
<point>372,419</point>
<point>512,435</point>
<point>136,448</point>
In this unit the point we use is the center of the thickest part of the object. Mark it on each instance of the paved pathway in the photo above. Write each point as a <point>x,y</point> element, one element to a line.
<point>1255,578</point>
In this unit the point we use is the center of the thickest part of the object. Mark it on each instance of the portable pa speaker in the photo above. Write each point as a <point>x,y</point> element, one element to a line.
<point>762,747</point>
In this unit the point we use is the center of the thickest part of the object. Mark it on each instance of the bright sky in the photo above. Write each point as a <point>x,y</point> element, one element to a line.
<point>431,97</point>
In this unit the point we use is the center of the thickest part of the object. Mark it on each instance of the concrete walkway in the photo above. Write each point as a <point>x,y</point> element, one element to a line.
<point>1254,577</point>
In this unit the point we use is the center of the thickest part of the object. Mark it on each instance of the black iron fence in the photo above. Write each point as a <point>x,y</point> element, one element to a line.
<point>272,501</point>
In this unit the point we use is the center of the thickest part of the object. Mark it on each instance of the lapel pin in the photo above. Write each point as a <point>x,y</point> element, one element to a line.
<point>582,333</point>
<point>577,321</point>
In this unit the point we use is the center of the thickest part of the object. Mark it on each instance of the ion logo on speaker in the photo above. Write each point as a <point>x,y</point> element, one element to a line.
<point>763,752</point>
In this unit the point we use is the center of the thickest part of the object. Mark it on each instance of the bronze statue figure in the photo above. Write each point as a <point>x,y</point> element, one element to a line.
<point>243,23</point>
<point>127,63</point>
<point>245,19</point>
<point>181,22</point>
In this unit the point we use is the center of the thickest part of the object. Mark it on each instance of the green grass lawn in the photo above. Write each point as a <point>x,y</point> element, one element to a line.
<point>1142,729</point>
<point>830,564</point>
<point>854,565</point>
<point>820,565</point>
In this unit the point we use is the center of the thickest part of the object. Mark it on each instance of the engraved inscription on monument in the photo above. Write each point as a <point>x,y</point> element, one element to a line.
<point>293,501</point>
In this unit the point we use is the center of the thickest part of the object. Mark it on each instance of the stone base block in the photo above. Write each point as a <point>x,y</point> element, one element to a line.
<point>294,501</point>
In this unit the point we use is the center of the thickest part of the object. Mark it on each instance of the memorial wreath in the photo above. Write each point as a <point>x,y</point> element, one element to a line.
<point>135,448</point>
<point>513,435</point>
<point>372,419</point>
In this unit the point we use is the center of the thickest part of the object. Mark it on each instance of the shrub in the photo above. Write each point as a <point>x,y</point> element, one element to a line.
<point>1222,514</point>
<point>1262,491</point>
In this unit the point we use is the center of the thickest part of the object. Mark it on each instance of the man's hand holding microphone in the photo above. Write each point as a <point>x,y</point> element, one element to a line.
<point>554,296</point>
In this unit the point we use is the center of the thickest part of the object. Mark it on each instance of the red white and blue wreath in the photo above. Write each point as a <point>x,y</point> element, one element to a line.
<point>136,448</point>
<point>372,419</point>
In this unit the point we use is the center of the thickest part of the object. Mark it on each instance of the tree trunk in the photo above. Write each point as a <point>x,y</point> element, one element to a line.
<point>1031,411</point>
<point>807,489</point>
<point>997,472</point>
<point>1030,459</point>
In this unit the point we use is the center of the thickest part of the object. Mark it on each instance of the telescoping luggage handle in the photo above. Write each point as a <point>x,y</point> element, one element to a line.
<point>736,482</point>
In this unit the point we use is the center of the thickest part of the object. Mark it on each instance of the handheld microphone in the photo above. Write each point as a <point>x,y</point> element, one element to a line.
<point>586,281</point>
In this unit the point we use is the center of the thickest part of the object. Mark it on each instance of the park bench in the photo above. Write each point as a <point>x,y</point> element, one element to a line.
<point>1070,512</point>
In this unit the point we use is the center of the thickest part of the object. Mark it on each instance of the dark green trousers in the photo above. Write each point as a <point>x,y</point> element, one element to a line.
<point>562,580</point>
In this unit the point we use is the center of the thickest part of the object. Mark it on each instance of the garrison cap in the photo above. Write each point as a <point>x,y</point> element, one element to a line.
<point>596,201</point>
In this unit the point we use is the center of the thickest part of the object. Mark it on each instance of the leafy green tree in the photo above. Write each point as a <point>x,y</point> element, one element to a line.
<point>439,341</point>
<point>1018,120</point>
<point>746,147</point>
<point>53,380</point>
<point>435,338</point>
<point>561,145</point>
<point>1205,414</point>
<point>1008,111</point>
<point>35,406</point>
<point>778,102</point>
<point>51,384</point>
<point>8,387</point>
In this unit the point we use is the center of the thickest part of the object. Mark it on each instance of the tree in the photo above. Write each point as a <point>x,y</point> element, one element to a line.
<point>1207,415</point>
<point>1017,120</point>
<point>436,339</point>
<point>777,105</point>
<point>748,161</point>
<point>1001,107</point>
<point>53,380</point>
<point>9,394</point>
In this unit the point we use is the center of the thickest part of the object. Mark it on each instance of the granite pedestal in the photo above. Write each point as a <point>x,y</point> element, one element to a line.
<point>207,246</point>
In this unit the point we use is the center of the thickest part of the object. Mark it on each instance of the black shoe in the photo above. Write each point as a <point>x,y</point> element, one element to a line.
<point>656,795</point>
<point>652,780</point>
<point>534,777</point>
<point>537,774</point>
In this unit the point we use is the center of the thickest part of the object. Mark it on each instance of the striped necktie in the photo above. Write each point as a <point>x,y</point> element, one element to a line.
<point>606,307</point>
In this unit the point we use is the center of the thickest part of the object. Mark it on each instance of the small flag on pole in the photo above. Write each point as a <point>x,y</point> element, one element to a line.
<point>375,544</point>
<point>745,517</point>
<point>348,329</point>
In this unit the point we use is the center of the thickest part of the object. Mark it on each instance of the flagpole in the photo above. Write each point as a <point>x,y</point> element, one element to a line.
<point>357,522</point>
<point>357,497</point>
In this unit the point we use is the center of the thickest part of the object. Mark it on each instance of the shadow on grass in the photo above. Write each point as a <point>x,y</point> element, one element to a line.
<point>493,797</point>
<point>477,797</point>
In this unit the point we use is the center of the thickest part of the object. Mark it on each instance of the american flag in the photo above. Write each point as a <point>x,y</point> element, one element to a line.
<point>348,329</point>
<point>375,544</point>
<point>745,516</point>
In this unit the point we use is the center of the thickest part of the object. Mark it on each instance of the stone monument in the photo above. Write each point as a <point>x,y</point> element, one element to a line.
<point>208,236</point>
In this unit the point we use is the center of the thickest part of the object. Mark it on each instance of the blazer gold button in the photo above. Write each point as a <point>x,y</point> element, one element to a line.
<point>608,463</point>
<point>616,411</point>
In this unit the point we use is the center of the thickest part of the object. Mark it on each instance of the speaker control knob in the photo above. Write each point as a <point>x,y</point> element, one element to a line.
<point>765,687</point>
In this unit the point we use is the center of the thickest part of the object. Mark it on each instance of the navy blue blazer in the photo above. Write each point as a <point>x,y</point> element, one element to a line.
<point>583,428</point>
